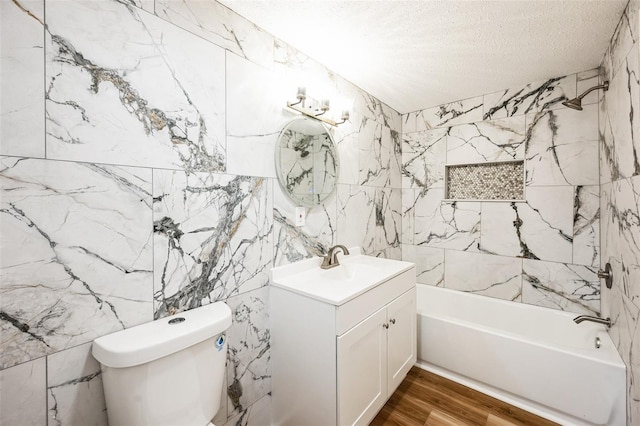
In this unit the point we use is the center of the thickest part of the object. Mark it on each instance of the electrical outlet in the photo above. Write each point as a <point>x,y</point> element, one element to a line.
<point>301,215</point>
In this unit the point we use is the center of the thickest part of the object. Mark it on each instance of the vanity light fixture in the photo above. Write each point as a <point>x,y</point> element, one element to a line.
<point>315,112</point>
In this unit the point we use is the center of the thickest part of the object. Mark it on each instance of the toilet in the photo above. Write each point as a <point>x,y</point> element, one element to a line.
<point>166,372</point>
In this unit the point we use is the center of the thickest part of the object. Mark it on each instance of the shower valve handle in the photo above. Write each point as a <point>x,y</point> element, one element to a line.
<point>607,275</point>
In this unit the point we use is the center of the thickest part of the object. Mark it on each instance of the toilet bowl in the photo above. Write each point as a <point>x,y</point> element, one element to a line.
<point>166,372</point>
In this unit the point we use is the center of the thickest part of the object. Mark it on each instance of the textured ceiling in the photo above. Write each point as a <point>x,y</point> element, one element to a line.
<point>416,54</point>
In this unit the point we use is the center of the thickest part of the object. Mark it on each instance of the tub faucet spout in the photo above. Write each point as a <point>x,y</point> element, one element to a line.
<point>605,321</point>
<point>331,259</point>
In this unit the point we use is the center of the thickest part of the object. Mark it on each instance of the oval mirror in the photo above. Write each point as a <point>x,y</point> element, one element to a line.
<point>306,162</point>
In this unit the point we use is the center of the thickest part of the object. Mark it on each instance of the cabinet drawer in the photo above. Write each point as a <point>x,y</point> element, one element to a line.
<point>356,310</point>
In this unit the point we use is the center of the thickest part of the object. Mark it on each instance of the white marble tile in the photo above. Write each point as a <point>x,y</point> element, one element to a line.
<point>391,252</point>
<point>484,274</point>
<point>22,394</point>
<point>395,171</point>
<point>624,36</point>
<point>548,222</point>
<point>409,122</point>
<point>533,97</point>
<point>620,123</point>
<point>258,414</point>
<point>256,113</point>
<point>423,158</point>
<point>388,212</point>
<point>22,83</point>
<point>634,18</point>
<point>562,147</point>
<point>147,5</point>
<point>314,238</point>
<point>541,228</point>
<point>620,207</point>
<point>452,225</point>
<point>76,243</point>
<point>248,366</point>
<point>566,287</point>
<point>484,141</point>
<point>586,226</point>
<point>286,56</point>
<point>501,229</point>
<point>409,198</point>
<point>212,237</point>
<point>347,138</point>
<point>356,213</point>
<point>370,218</point>
<point>377,155</point>
<point>220,25</point>
<point>607,156</point>
<point>610,252</point>
<point>134,96</point>
<point>625,333</point>
<point>459,112</point>
<point>393,119</point>
<point>606,73</point>
<point>429,263</point>
<point>74,388</point>
<point>371,108</point>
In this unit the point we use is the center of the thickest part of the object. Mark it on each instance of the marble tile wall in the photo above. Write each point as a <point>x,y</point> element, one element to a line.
<point>136,180</point>
<point>619,127</point>
<point>544,251</point>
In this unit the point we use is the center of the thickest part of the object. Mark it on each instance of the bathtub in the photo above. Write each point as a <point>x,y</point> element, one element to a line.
<point>534,358</point>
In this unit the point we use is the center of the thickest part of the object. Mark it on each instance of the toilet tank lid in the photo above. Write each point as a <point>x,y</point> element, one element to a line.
<point>156,339</point>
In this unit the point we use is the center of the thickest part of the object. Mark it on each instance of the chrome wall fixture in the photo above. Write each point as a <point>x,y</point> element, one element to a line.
<point>315,112</point>
<point>606,275</point>
<point>576,103</point>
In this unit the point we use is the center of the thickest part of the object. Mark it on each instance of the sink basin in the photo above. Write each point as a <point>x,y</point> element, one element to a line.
<point>356,274</point>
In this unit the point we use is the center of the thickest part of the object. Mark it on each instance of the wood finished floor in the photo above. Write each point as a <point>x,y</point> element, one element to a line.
<point>425,399</point>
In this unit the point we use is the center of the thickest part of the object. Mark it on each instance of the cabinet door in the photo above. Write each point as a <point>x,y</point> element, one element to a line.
<point>362,370</point>
<point>401,338</point>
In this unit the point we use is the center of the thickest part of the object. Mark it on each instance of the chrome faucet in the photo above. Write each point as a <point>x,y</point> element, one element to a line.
<point>331,259</point>
<point>599,320</point>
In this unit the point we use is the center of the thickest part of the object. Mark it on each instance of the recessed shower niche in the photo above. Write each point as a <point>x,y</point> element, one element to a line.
<point>497,181</point>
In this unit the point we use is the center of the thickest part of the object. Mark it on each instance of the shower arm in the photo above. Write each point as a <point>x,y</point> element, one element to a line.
<point>604,86</point>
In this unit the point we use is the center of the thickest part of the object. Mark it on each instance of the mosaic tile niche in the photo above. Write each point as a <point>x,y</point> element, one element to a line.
<point>486,181</point>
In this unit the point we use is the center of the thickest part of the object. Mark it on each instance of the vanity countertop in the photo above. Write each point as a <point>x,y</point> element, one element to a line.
<point>356,274</point>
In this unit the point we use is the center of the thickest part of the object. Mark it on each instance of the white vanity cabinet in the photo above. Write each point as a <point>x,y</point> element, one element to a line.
<point>373,359</point>
<point>336,362</point>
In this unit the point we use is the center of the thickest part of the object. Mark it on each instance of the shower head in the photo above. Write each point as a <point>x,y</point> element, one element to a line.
<point>576,103</point>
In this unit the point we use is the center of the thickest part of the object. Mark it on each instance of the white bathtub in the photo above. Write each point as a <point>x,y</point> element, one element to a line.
<point>534,358</point>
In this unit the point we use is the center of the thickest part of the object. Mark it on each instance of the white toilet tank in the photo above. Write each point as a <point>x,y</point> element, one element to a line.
<point>166,372</point>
